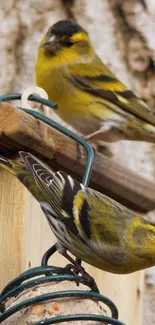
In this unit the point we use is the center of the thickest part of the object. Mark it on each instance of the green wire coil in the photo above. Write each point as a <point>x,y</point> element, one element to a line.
<point>52,273</point>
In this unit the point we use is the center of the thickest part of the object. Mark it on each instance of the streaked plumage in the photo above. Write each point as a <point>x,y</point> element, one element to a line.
<point>89,96</point>
<point>92,226</point>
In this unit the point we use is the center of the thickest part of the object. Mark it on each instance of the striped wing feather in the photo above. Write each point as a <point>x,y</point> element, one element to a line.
<point>99,81</point>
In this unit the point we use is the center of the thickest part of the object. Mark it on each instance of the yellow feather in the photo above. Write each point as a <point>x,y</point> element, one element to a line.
<point>92,226</point>
<point>89,96</point>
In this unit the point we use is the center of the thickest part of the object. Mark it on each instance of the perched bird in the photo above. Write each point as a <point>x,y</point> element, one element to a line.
<point>90,225</point>
<point>89,96</point>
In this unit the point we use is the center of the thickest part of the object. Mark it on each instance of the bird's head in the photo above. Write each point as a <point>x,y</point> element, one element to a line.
<point>67,41</point>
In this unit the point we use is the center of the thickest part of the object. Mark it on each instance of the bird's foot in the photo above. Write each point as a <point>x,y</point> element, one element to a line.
<point>80,151</point>
<point>103,148</point>
<point>79,269</point>
<point>76,267</point>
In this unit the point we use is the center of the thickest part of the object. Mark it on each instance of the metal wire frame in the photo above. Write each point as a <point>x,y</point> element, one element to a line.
<point>55,125</point>
<point>52,273</point>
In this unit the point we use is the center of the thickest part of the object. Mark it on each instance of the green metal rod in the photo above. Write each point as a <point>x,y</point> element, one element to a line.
<point>91,317</point>
<point>34,98</point>
<point>61,294</point>
<point>48,254</point>
<point>86,145</point>
<point>39,270</point>
<point>49,278</point>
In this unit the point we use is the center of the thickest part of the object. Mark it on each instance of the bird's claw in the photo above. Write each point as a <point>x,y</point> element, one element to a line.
<point>79,269</point>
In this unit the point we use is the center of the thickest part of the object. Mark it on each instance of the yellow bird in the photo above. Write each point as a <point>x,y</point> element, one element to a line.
<point>89,96</point>
<point>90,225</point>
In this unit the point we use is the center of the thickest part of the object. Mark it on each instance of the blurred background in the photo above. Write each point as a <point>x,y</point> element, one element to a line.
<point>122,32</point>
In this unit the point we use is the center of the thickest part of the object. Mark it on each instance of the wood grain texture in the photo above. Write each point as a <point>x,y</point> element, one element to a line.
<point>20,131</point>
<point>12,225</point>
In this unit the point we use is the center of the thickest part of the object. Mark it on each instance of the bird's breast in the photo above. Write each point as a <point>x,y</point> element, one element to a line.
<point>73,104</point>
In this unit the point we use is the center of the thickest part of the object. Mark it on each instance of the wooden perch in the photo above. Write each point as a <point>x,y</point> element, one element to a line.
<point>20,131</point>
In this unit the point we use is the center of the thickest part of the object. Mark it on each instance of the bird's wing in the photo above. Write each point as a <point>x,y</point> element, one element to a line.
<point>41,175</point>
<point>58,189</point>
<point>96,79</point>
<point>19,170</point>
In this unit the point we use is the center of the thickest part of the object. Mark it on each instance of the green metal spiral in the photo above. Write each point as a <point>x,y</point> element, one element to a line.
<point>53,274</point>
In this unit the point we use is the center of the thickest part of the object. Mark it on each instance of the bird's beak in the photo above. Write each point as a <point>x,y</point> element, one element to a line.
<point>49,42</point>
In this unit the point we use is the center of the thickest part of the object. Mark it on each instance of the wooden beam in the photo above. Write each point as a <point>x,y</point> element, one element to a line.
<point>20,131</point>
<point>12,226</point>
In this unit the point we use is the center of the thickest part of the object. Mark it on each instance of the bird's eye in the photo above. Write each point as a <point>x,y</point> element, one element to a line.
<point>68,43</point>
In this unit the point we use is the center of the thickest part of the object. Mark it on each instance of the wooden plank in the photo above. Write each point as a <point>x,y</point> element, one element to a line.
<point>12,225</point>
<point>20,131</point>
<point>127,293</point>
